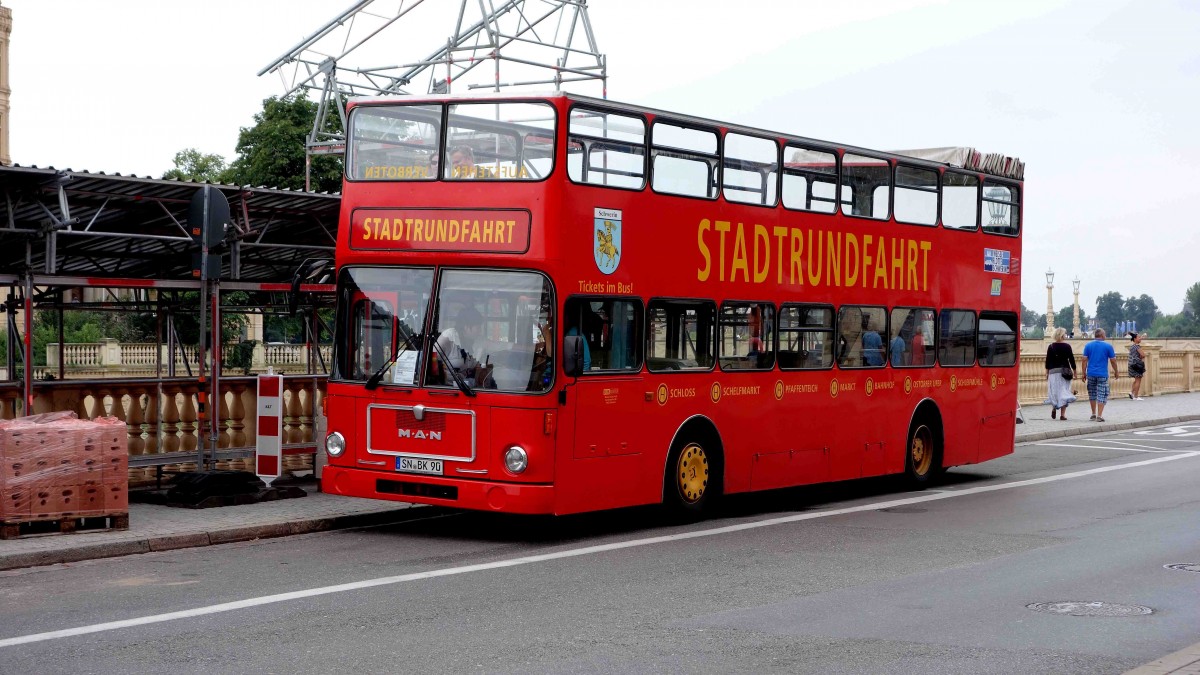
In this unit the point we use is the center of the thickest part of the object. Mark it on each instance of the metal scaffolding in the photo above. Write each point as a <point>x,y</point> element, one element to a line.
<point>537,43</point>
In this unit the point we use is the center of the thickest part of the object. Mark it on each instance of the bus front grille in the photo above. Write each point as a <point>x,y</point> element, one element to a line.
<point>397,487</point>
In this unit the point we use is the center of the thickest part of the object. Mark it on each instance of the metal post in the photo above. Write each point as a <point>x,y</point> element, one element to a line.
<point>214,398</point>
<point>62,349</point>
<point>28,342</point>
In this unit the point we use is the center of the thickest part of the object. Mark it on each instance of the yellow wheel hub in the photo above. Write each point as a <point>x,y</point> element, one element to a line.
<point>922,450</point>
<point>692,473</point>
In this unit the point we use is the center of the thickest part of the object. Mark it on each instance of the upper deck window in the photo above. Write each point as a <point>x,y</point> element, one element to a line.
<point>394,142</point>
<point>751,169</point>
<point>916,195</point>
<point>685,160</point>
<point>809,179</point>
<point>497,141</point>
<point>606,148</point>
<point>960,201</point>
<point>866,184</point>
<point>1002,208</point>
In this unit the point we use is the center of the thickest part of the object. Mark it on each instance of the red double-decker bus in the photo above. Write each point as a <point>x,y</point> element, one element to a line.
<point>555,304</point>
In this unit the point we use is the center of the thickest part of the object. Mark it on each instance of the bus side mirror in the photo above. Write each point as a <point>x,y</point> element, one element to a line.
<point>573,355</point>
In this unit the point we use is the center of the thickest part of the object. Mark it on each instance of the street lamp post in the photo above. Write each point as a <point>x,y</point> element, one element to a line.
<point>1075,325</point>
<point>1050,303</point>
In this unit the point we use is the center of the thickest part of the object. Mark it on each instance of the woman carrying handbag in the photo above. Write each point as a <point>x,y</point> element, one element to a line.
<point>1060,370</point>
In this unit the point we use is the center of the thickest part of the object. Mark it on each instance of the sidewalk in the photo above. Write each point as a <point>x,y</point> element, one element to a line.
<point>162,528</point>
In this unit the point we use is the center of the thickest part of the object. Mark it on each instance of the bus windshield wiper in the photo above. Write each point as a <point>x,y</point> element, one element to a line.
<point>458,378</point>
<point>407,340</point>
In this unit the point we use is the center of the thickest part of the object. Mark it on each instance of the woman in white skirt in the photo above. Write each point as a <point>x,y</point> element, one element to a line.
<point>1059,357</point>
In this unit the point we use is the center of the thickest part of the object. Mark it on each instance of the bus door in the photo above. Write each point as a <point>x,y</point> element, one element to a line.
<point>607,401</point>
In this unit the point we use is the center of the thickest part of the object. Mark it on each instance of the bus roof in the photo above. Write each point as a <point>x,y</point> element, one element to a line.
<point>996,164</point>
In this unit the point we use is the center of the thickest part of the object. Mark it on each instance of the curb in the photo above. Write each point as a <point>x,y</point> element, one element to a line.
<point>198,539</point>
<point>1107,426</point>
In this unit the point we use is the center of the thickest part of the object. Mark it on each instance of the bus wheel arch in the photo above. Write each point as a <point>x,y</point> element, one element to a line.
<point>694,472</point>
<point>924,445</point>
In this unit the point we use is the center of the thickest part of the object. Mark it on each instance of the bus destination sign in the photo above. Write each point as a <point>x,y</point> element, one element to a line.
<point>475,231</point>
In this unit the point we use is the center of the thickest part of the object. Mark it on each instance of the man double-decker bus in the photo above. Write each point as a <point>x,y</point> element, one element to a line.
<point>555,304</point>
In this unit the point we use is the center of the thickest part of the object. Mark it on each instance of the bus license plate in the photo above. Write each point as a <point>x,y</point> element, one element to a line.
<point>414,465</point>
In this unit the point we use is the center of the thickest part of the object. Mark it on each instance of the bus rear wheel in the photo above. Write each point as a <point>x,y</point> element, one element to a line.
<point>922,456</point>
<point>690,485</point>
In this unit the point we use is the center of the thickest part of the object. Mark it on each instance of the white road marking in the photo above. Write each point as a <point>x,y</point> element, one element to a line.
<point>559,555</point>
<point>1100,447</point>
<point>1139,445</point>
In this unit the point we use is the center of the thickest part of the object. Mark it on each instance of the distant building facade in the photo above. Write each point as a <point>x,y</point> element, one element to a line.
<point>5,31</point>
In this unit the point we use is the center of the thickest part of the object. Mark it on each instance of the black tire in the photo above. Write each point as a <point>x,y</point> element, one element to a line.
<point>692,480</point>
<point>923,454</point>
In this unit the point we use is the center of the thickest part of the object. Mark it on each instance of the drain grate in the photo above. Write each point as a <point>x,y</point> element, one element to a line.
<point>1080,608</point>
<point>1186,567</point>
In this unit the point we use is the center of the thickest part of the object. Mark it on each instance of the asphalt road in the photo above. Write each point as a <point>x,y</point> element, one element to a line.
<point>850,577</point>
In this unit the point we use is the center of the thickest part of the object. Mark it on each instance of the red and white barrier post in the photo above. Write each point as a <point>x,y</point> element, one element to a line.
<point>268,455</point>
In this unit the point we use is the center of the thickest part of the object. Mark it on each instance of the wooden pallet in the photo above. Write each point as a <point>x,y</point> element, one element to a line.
<point>11,529</point>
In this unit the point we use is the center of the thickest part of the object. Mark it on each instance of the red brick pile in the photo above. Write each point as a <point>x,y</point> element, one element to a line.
<point>55,466</point>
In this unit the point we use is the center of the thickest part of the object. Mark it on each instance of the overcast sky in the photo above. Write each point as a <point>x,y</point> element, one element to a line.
<point>1098,97</point>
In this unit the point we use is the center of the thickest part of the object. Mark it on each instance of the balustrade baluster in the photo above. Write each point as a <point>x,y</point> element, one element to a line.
<point>188,438</point>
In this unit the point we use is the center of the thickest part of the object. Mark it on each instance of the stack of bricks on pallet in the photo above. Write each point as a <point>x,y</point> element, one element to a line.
<point>55,466</point>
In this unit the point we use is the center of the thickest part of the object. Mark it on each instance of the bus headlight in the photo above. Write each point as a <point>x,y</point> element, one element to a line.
<point>335,444</point>
<point>516,459</point>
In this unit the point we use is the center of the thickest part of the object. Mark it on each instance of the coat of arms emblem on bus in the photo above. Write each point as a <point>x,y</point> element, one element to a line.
<point>608,239</point>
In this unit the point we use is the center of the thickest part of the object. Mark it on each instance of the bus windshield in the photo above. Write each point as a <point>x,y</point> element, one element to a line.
<point>495,328</point>
<point>381,315</point>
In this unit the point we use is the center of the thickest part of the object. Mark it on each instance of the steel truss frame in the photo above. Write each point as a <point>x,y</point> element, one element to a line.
<point>540,42</point>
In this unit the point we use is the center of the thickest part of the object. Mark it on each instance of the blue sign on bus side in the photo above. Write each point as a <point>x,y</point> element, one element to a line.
<point>996,260</point>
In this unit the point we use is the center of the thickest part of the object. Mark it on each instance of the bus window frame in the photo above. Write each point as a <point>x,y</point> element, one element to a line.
<point>936,190</point>
<point>891,167</point>
<point>772,347</point>
<point>888,352</point>
<point>837,178</point>
<point>567,136</point>
<point>715,176</point>
<point>347,163</point>
<point>1015,205</point>
<point>650,335</point>
<point>887,319</point>
<point>766,183</point>
<point>640,318</point>
<point>831,331</point>
<point>445,137</point>
<point>942,200</point>
<point>974,338</point>
<point>1016,333</point>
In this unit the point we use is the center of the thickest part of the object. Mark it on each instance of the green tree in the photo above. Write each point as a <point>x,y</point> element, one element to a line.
<point>1110,308</point>
<point>1141,309</point>
<point>1030,317</point>
<point>1175,325</point>
<point>1192,299</point>
<point>191,164</point>
<point>272,152</point>
<point>1065,318</point>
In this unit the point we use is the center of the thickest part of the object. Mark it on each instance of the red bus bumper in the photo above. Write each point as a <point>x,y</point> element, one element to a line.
<point>478,495</point>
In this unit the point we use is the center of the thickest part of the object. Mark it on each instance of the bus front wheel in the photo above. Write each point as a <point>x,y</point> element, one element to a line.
<point>691,483</point>
<point>922,457</point>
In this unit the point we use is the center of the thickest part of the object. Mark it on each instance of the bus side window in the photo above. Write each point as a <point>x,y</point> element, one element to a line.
<point>747,336</point>
<point>679,335</point>
<point>956,337</point>
<point>612,332</point>
<point>910,340</point>
<point>997,338</point>
<point>805,337</point>
<point>866,184</point>
<point>860,336</point>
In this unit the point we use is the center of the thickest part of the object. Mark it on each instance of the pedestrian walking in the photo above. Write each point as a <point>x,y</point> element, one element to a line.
<point>1060,371</point>
<point>1137,365</point>
<point>1099,355</point>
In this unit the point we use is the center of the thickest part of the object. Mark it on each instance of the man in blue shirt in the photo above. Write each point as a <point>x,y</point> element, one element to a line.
<point>1099,355</point>
<point>872,344</point>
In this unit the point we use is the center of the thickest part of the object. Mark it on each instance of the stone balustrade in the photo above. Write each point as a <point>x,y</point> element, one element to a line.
<point>163,421</point>
<point>110,358</point>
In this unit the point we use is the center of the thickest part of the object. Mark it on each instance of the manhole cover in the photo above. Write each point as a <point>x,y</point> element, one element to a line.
<point>1076,608</point>
<point>1186,567</point>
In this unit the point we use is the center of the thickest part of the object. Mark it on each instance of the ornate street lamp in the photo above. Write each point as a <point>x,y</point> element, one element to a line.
<point>1050,303</point>
<point>1075,324</point>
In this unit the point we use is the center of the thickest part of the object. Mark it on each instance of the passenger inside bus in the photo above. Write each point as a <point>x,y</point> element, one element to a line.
<point>462,164</point>
<point>461,343</point>
<point>872,344</point>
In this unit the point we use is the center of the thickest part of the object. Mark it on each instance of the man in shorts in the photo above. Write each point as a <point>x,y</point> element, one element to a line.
<point>1099,355</point>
